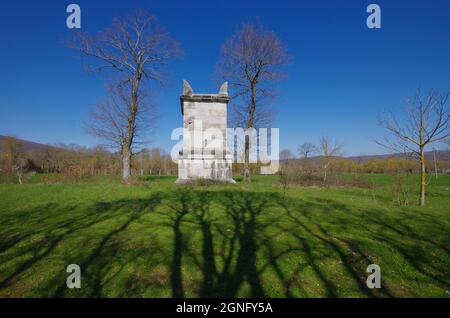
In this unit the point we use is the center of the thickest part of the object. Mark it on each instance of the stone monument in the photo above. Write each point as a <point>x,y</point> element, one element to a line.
<point>204,153</point>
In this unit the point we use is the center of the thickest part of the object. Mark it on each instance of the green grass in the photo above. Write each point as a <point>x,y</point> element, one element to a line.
<point>155,239</point>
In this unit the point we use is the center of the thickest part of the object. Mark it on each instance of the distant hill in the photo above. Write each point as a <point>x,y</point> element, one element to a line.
<point>28,146</point>
<point>443,155</point>
<point>31,146</point>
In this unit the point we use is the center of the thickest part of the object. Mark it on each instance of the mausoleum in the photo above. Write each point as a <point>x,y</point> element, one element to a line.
<point>204,153</point>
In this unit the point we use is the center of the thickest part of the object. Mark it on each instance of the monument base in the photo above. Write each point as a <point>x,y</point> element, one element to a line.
<point>194,170</point>
<point>188,181</point>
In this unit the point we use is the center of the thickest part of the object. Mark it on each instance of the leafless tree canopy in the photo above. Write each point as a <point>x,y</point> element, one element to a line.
<point>330,147</point>
<point>239,115</point>
<point>306,149</point>
<point>250,62</point>
<point>252,55</point>
<point>109,118</point>
<point>136,48</point>
<point>425,122</point>
<point>329,150</point>
<point>16,162</point>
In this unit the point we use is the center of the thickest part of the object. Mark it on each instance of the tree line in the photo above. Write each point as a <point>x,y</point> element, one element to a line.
<point>321,168</point>
<point>74,163</point>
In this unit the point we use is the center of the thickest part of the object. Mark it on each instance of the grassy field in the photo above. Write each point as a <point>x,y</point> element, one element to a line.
<point>155,239</point>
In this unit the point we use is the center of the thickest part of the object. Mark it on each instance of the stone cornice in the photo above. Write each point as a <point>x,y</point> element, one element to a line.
<point>211,98</point>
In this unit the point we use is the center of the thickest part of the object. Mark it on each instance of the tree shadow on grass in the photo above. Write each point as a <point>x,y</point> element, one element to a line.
<point>68,221</point>
<point>353,259</point>
<point>243,237</point>
<point>12,234</point>
<point>100,258</point>
<point>348,232</point>
<point>44,237</point>
<point>247,211</point>
<point>414,246</point>
<point>229,238</point>
<point>234,241</point>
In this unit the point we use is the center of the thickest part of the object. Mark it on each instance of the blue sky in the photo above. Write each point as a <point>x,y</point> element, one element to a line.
<point>341,76</point>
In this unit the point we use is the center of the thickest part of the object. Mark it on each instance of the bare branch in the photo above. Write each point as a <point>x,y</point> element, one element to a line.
<point>137,48</point>
<point>426,122</point>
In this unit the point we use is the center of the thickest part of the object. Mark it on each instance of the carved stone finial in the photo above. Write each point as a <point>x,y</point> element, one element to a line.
<point>224,89</point>
<point>187,89</point>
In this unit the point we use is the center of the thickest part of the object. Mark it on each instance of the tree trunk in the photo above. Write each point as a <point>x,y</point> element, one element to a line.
<point>246,159</point>
<point>126,148</point>
<point>126,162</point>
<point>250,124</point>
<point>422,177</point>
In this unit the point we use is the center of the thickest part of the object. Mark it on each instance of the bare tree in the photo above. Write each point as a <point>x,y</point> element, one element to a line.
<point>136,48</point>
<point>426,122</point>
<point>110,119</point>
<point>16,162</point>
<point>250,63</point>
<point>329,150</point>
<point>305,149</point>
